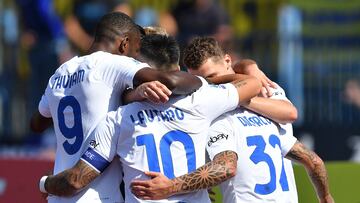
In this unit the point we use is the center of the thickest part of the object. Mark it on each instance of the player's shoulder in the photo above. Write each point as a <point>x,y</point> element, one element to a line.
<point>285,129</point>
<point>207,86</point>
<point>63,69</point>
<point>108,61</point>
<point>224,119</point>
<point>68,65</point>
<point>231,116</point>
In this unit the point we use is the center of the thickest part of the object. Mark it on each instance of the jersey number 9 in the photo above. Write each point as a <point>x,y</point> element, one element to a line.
<point>76,131</point>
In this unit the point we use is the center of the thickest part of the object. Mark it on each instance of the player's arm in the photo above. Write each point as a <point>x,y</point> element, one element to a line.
<point>70,181</point>
<point>41,119</point>
<point>39,123</point>
<point>178,82</point>
<point>92,163</point>
<point>247,89</point>
<point>227,78</point>
<point>279,110</point>
<point>246,84</point>
<point>153,91</point>
<point>315,168</point>
<point>220,169</point>
<point>249,67</point>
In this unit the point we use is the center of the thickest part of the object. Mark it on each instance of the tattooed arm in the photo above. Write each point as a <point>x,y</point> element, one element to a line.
<point>315,168</point>
<point>71,181</point>
<point>220,169</point>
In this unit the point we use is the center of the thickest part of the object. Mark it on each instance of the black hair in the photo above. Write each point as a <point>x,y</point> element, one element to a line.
<point>161,51</point>
<point>114,24</point>
<point>141,30</point>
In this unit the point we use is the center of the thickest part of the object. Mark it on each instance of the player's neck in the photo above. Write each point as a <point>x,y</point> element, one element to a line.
<point>99,46</point>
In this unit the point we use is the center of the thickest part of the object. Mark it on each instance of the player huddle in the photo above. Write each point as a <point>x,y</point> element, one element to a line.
<point>151,127</point>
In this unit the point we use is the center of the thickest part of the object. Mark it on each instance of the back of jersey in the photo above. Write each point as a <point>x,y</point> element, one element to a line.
<point>260,147</point>
<point>171,138</point>
<point>78,96</point>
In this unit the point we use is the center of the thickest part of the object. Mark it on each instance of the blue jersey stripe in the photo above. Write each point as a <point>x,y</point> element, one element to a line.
<point>95,160</point>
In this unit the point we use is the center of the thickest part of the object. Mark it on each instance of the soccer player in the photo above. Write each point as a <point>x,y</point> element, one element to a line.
<point>84,89</point>
<point>168,138</point>
<point>258,143</point>
<point>258,148</point>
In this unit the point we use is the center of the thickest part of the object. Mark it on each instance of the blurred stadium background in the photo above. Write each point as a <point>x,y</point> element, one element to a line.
<point>311,48</point>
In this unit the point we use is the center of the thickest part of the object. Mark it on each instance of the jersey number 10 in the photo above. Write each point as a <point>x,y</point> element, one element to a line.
<point>167,139</point>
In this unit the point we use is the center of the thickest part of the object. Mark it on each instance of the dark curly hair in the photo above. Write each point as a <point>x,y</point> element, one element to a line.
<point>114,24</point>
<point>199,50</point>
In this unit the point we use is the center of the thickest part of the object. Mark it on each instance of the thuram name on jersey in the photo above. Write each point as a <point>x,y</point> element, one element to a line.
<point>151,115</point>
<point>67,81</point>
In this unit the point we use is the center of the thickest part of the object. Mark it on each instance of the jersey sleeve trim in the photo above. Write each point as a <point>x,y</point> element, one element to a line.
<point>44,107</point>
<point>285,148</point>
<point>95,160</point>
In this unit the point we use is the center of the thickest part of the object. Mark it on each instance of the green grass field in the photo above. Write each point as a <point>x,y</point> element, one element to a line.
<point>344,179</point>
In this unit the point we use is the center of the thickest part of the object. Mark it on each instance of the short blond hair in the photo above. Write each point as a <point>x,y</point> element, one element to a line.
<point>155,30</point>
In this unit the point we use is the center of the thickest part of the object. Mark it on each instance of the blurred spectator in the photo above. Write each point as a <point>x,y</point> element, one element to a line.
<point>204,18</point>
<point>81,23</point>
<point>44,40</point>
<point>148,16</point>
<point>351,103</point>
<point>352,92</point>
<point>200,18</point>
<point>8,61</point>
<point>354,144</point>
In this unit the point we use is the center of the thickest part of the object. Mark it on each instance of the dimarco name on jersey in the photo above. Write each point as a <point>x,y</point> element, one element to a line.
<point>247,121</point>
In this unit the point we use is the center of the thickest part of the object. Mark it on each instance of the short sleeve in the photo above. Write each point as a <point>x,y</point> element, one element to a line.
<point>44,107</point>
<point>221,137</point>
<point>287,138</point>
<point>213,100</point>
<point>102,147</point>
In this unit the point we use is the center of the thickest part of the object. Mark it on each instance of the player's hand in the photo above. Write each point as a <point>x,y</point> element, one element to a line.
<point>252,69</point>
<point>159,187</point>
<point>153,91</point>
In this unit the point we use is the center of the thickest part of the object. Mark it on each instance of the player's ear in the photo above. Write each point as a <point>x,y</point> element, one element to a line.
<point>227,59</point>
<point>124,45</point>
